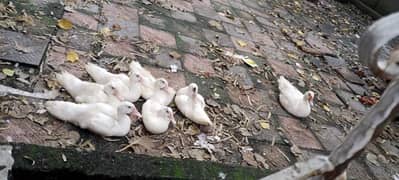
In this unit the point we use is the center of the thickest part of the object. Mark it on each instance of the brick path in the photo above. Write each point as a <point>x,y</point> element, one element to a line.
<point>312,45</point>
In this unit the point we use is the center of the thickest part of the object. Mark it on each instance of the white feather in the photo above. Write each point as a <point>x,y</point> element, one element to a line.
<point>100,118</point>
<point>156,117</point>
<point>102,76</point>
<point>192,105</point>
<point>83,91</point>
<point>292,99</point>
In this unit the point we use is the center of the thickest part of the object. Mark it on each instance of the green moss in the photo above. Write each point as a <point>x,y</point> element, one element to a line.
<point>49,162</point>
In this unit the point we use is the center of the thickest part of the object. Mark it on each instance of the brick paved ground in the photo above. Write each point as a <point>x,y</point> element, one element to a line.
<point>312,45</point>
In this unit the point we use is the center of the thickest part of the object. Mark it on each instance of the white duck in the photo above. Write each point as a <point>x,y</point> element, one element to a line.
<point>293,100</point>
<point>192,104</point>
<point>157,117</point>
<point>89,92</point>
<point>163,93</point>
<point>100,118</point>
<point>102,76</point>
<point>135,67</point>
<point>134,88</point>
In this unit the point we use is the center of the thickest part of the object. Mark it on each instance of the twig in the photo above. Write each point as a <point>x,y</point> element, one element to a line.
<point>285,156</point>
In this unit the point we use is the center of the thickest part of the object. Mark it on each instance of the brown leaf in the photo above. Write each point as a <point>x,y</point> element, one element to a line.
<point>174,55</point>
<point>116,27</point>
<point>367,100</point>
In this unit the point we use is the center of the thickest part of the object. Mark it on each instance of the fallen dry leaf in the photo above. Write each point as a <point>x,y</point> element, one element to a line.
<point>316,77</point>
<point>8,72</point>
<point>326,108</point>
<point>65,24</point>
<point>250,62</point>
<point>174,55</point>
<point>216,25</point>
<point>264,125</point>
<point>367,100</point>
<point>116,27</point>
<point>242,43</point>
<point>72,56</point>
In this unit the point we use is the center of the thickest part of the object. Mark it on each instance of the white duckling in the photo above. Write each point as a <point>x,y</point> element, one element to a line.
<point>293,100</point>
<point>135,67</point>
<point>100,118</point>
<point>102,76</point>
<point>192,104</point>
<point>157,117</point>
<point>134,88</point>
<point>163,93</point>
<point>89,92</point>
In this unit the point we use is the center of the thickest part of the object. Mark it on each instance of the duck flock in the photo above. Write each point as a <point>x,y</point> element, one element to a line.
<point>105,107</point>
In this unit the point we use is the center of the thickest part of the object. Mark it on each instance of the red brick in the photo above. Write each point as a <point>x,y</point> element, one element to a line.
<point>281,68</point>
<point>159,37</point>
<point>237,31</point>
<point>334,81</point>
<point>263,39</point>
<point>175,80</point>
<point>179,5</point>
<point>219,38</point>
<point>252,27</point>
<point>123,16</point>
<point>298,134</point>
<point>185,16</point>
<point>207,12</point>
<point>120,48</point>
<point>236,21</point>
<point>57,59</point>
<point>198,65</point>
<point>193,46</point>
<point>202,3</point>
<point>249,47</point>
<point>82,20</point>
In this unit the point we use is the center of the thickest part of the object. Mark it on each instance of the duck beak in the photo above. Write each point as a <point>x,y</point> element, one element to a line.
<point>310,99</point>
<point>135,115</point>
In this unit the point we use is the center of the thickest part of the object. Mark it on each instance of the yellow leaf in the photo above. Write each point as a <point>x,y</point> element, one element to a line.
<point>105,32</point>
<point>293,56</point>
<point>65,24</point>
<point>326,108</point>
<point>242,43</point>
<point>8,72</point>
<point>285,30</point>
<point>250,62</point>
<point>316,77</point>
<point>301,33</point>
<point>300,43</point>
<point>265,125</point>
<point>301,72</point>
<point>72,56</point>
